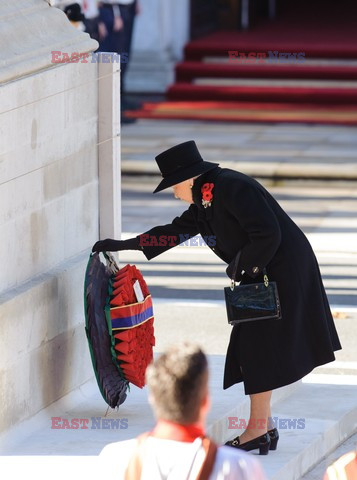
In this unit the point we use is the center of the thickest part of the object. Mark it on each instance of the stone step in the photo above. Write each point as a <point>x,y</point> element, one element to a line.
<point>188,71</point>
<point>276,153</point>
<point>37,437</point>
<point>308,62</point>
<point>267,92</point>
<point>272,168</point>
<point>325,402</point>
<point>232,403</point>
<point>264,82</point>
<point>328,405</point>
<point>318,471</point>
<point>308,404</point>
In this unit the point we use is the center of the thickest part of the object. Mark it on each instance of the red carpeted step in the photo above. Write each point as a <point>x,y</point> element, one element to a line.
<point>317,41</point>
<point>250,112</point>
<point>309,30</point>
<point>188,91</point>
<point>187,71</point>
<point>199,51</point>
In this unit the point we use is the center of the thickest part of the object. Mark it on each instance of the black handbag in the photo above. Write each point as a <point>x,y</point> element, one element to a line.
<point>251,302</point>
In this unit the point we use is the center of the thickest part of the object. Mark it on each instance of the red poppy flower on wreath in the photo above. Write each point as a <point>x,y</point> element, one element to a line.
<point>207,195</point>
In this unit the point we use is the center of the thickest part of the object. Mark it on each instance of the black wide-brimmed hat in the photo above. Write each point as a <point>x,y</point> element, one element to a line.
<point>180,163</point>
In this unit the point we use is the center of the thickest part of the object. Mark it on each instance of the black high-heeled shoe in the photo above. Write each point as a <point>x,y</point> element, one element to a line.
<point>262,442</point>
<point>274,437</point>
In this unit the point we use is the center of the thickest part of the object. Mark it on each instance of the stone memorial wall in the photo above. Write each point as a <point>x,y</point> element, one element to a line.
<point>49,206</point>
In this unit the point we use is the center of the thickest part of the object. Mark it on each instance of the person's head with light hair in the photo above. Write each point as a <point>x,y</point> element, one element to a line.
<point>178,384</point>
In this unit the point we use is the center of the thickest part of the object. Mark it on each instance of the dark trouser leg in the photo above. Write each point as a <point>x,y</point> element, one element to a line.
<point>127,13</point>
<point>113,42</point>
<point>92,27</point>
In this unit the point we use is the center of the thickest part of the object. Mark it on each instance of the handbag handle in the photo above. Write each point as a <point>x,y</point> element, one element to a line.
<point>235,267</point>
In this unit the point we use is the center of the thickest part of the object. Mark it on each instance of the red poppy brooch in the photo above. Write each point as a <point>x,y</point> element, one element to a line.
<point>207,195</point>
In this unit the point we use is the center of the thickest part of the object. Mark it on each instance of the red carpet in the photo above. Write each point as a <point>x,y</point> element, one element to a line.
<point>320,28</point>
<point>283,35</point>
<point>249,112</point>
<point>188,71</point>
<point>225,90</point>
<point>325,96</point>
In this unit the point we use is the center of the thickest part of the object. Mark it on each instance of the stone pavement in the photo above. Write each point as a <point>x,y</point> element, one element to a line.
<point>279,151</point>
<point>187,287</point>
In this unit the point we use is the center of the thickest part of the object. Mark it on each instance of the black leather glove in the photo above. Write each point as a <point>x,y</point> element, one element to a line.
<point>110,245</point>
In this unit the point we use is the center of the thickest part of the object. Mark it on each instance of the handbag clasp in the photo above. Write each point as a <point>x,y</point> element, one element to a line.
<point>266,281</point>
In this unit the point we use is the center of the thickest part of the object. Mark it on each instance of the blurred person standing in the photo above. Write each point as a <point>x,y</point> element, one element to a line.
<point>116,25</point>
<point>91,13</point>
<point>177,447</point>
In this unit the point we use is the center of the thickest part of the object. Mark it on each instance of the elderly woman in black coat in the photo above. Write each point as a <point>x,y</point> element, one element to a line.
<point>243,218</point>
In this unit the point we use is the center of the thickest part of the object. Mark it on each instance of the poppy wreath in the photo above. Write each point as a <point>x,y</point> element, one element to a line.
<point>207,195</point>
<point>119,328</point>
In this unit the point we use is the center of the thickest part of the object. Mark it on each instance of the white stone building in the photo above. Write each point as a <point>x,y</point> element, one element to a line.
<point>58,122</point>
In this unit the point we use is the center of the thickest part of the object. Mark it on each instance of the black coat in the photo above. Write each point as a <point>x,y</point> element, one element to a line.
<point>244,217</point>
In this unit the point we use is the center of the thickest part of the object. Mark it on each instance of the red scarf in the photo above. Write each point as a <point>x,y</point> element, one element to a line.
<point>175,431</point>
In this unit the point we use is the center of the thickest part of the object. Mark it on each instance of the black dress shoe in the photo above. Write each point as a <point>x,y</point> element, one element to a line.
<point>274,437</point>
<point>262,442</point>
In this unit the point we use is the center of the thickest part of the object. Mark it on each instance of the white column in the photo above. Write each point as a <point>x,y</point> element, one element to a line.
<point>160,34</point>
<point>109,149</point>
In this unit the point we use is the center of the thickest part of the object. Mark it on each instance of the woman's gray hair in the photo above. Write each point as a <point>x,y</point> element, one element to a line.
<point>177,381</point>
